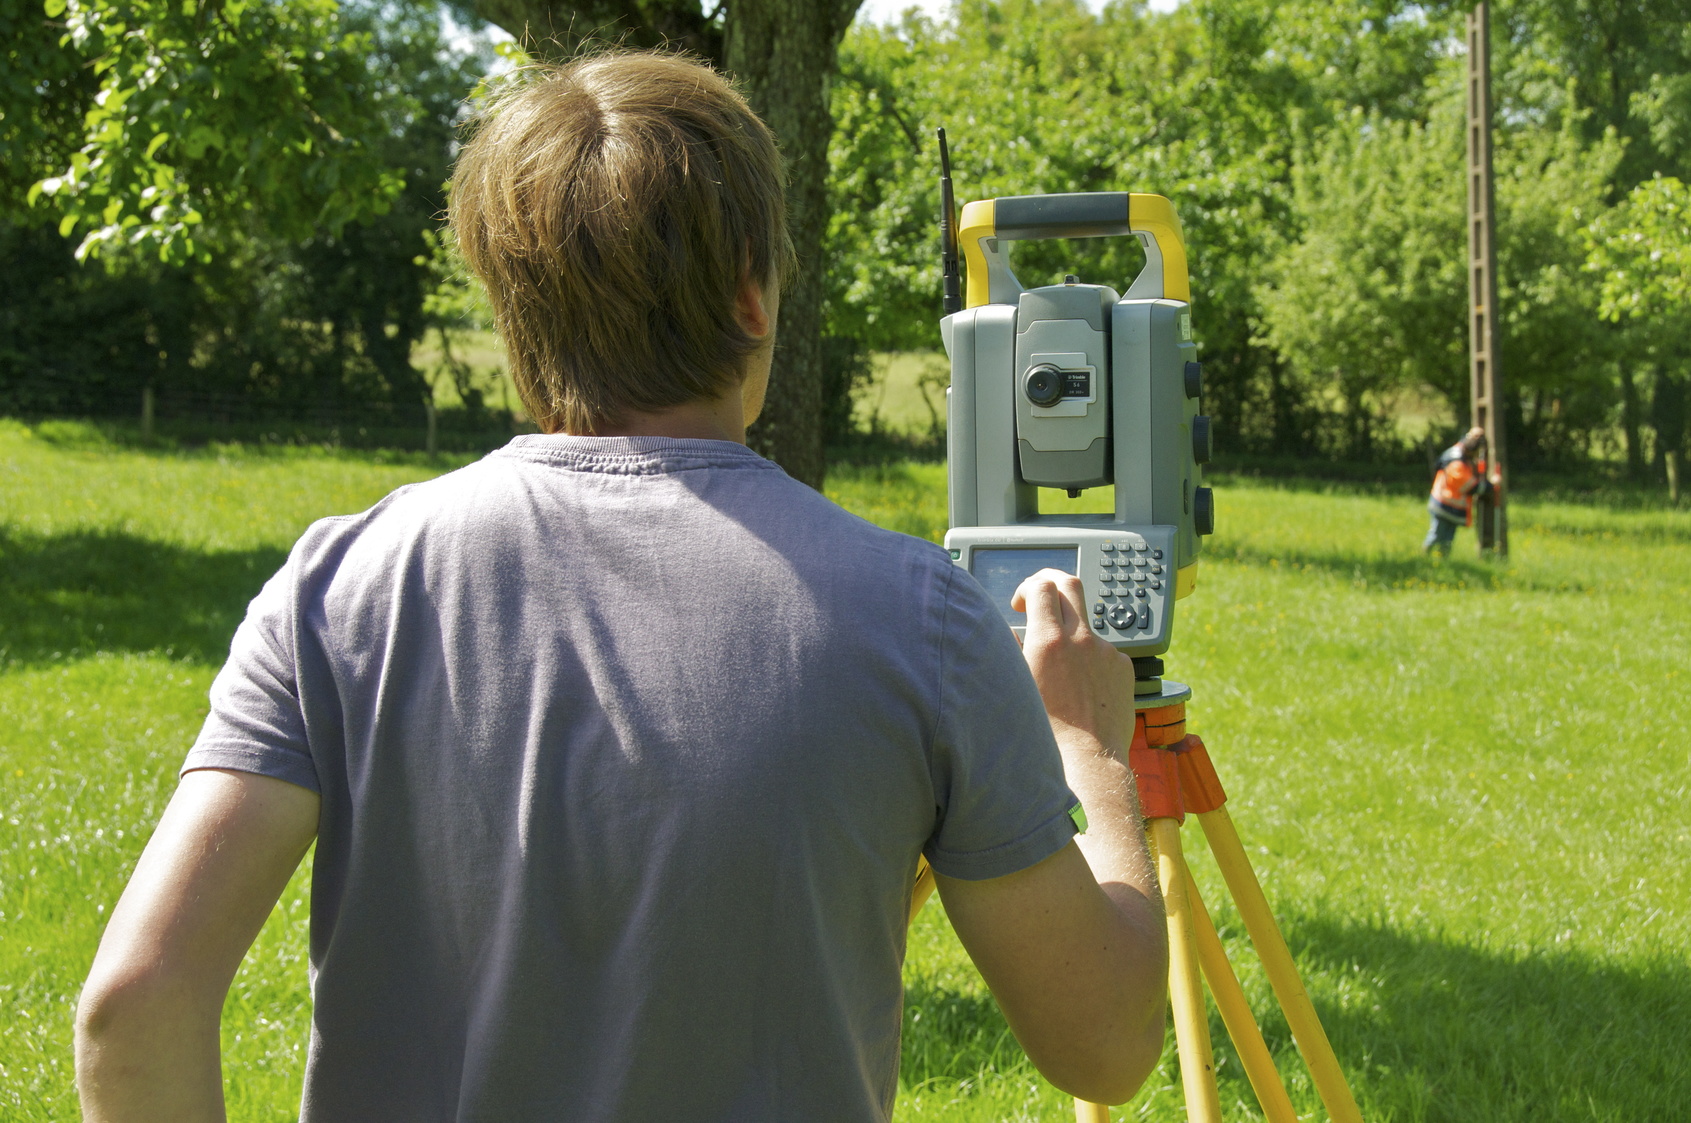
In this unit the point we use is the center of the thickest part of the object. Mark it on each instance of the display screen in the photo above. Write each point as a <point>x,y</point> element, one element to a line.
<point>1000,569</point>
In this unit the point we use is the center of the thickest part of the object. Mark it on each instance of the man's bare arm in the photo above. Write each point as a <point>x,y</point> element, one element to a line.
<point>147,1022</point>
<point>1075,948</point>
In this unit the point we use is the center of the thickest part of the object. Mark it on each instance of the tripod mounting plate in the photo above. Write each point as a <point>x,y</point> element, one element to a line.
<point>1168,693</point>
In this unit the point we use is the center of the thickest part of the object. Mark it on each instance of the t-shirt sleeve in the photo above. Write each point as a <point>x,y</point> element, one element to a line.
<point>1003,802</point>
<point>256,722</point>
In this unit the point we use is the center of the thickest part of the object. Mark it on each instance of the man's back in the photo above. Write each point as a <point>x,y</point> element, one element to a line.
<point>626,749</point>
<point>619,750</point>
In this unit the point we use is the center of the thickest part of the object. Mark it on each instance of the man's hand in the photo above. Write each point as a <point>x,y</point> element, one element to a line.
<point>1074,948</point>
<point>147,1022</point>
<point>1086,684</point>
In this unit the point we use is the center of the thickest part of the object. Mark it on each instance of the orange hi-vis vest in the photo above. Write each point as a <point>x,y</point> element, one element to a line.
<point>1455,486</point>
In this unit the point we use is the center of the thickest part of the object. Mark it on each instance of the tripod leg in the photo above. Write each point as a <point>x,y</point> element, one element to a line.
<point>922,890</point>
<point>1186,991</point>
<point>1236,1015</point>
<point>1277,964</point>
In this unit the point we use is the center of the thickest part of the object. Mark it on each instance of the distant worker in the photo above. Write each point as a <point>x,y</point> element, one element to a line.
<point>1460,479</point>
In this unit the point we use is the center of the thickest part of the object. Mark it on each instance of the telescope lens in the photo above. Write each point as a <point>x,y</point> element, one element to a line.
<point>1044,385</point>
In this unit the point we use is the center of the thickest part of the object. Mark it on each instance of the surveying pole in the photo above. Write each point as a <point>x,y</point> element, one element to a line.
<point>1491,524</point>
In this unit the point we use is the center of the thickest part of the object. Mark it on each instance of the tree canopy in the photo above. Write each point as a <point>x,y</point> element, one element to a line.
<point>294,151</point>
<point>221,114</point>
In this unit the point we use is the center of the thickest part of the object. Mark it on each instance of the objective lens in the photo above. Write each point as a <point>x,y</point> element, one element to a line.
<point>1044,385</point>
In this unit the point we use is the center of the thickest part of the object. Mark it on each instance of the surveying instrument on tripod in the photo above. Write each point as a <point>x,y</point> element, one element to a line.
<point>1075,386</point>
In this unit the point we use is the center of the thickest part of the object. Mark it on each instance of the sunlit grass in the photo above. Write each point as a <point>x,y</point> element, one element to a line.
<point>1463,783</point>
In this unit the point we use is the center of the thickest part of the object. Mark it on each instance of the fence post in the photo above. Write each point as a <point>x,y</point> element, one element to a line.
<point>146,413</point>
<point>430,412</point>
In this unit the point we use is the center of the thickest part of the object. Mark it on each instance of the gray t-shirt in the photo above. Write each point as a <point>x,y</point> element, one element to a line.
<point>627,748</point>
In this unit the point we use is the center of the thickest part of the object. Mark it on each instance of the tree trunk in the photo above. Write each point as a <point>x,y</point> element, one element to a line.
<point>1668,403</point>
<point>783,53</point>
<point>1630,421</point>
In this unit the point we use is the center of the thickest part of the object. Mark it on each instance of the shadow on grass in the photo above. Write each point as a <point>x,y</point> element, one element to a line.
<point>1637,531</point>
<point>460,437</point>
<point>1410,571</point>
<point>951,1036</point>
<point>1451,1032</point>
<point>1429,1031</point>
<point>1596,484</point>
<point>68,595</point>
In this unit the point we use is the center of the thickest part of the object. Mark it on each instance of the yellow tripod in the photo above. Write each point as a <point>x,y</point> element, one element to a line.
<point>1175,777</point>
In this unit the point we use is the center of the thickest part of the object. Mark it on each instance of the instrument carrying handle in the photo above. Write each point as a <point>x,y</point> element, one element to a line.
<point>1080,214</point>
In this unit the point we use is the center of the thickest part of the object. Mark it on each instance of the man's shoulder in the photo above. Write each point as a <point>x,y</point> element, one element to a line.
<point>850,529</point>
<point>516,499</point>
<point>397,522</point>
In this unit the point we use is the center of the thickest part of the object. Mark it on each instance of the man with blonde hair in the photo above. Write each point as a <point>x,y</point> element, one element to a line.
<point>619,747</point>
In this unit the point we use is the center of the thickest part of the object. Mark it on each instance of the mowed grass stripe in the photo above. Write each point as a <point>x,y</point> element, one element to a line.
<point>1463,785</point>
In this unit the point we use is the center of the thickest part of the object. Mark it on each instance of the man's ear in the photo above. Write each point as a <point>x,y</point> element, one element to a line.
<point>754,309</point>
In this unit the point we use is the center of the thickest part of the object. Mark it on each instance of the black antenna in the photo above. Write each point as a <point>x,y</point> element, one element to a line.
<point>953,300</point>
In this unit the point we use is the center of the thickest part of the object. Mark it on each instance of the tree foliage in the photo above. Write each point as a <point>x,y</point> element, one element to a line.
<point>1202,105</point>
<point>1315,154</point>
<point>1314,151</point>
<point>1370,299</point>
<point>1643,253</point>
<point>209,117</point>
<point>291,317</point>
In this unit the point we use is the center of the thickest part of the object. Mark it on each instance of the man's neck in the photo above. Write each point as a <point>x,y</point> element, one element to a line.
<point>709,419</point>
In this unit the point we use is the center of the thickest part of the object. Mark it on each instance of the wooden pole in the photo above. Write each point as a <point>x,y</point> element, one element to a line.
<point>1490,520</point>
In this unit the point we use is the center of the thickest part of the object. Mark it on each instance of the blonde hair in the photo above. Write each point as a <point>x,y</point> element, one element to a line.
<point>613,207</point>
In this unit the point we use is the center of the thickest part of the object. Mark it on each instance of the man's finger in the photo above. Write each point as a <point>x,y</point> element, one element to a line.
<point>1074,603</point>
<point>1049,611</point>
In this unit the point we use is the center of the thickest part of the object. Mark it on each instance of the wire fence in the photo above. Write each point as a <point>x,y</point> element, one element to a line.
<point>197,415</point>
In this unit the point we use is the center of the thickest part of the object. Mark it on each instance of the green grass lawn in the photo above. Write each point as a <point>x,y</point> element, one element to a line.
<point>1464,785</point>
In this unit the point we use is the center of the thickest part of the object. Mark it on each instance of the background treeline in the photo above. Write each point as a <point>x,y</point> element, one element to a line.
<point>1315,153</point>
<point>290,302</point>
<point>1313,149</point>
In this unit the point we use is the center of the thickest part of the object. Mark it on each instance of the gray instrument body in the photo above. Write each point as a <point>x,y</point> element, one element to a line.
<point>1127,414</point>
